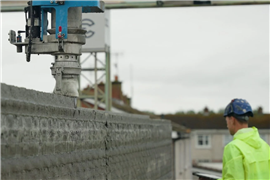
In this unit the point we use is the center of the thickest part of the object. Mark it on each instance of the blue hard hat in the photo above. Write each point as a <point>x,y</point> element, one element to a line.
<point>239,107</point>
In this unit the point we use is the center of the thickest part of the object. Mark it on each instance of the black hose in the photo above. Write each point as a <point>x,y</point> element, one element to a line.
<point>28,55</point>
<point>25,12</point>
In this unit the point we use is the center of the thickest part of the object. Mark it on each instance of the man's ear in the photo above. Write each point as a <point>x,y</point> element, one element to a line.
<point>234,120</point>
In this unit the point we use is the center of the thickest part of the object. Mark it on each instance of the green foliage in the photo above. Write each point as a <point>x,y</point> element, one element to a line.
<point>190,112</point>
<point>149,112</point>
<point>180,112</point>
<point>183,112</point>
<point>220,111</point>
<point>256,112</point>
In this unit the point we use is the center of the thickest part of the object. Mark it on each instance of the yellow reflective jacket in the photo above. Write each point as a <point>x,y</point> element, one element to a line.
<point>246,157</point>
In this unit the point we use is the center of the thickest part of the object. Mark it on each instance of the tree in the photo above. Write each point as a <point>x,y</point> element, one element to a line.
<point>190,112</point>
<point>179,112</point>
<point>220,111</point>
<point>149,112</point>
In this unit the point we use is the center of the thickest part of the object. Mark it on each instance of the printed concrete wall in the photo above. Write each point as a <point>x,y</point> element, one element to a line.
<point>44,136</point>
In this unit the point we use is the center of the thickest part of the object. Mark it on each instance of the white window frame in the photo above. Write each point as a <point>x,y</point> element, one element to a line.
<point>203,146</point>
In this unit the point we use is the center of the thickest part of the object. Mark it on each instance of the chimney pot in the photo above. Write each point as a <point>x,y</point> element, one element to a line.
<point>260,110</point>
<point>116,78</point>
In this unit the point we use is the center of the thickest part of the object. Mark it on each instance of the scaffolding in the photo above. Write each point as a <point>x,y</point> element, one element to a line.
<point>100,96</point>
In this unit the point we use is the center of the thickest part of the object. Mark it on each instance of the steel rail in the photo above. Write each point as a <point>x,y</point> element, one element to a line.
<point>17,6</point>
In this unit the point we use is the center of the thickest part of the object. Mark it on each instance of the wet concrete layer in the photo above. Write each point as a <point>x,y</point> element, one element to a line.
<point>43,136</point>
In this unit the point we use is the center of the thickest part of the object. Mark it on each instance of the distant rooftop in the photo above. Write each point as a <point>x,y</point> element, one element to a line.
<point>215,121</point>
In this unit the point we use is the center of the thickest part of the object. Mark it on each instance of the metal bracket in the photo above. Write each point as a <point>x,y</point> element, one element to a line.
<point>61,42</point>
<point>12,36</point>
<point>60,2</point>
<point>58,78</point>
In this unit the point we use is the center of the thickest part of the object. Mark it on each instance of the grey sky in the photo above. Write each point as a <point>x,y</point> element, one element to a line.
<point>182,58</point>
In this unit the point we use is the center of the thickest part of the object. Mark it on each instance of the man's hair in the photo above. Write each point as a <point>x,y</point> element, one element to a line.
<point>243,119</point>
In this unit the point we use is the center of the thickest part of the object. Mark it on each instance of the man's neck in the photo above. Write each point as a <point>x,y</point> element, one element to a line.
<point>241,127</point>
<point>242,130</point>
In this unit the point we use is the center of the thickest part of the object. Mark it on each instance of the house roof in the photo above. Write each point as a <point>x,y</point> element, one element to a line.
<point>121,108</point>
<point>103,106</point>
<point>128,109</point>
<point>215,121</point>
<point>121,104</point>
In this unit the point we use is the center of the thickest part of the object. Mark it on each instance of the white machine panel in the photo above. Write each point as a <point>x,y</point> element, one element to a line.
<point>97,26</point>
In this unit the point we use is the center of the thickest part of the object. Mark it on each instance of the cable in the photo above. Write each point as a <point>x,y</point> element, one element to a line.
<point>28,55</point>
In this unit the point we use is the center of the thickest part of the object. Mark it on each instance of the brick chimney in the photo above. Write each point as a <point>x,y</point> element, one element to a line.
<point>206,111</point>
<point>117,89</point>
<point>260,110</point>
<point>116,78</point>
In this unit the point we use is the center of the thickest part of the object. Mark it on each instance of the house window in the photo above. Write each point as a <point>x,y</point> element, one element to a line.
<point>203,141</point>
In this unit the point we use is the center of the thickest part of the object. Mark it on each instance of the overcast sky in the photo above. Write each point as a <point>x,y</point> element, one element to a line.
<point>181,58</point>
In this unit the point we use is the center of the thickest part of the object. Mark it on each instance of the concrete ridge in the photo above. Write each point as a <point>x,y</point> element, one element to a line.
<point>36,97</point>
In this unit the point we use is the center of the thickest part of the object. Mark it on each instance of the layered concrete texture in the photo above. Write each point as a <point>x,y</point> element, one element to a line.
<point>44,136</point>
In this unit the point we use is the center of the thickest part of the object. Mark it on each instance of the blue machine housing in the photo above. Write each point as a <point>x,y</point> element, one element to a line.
<point>61,13</point>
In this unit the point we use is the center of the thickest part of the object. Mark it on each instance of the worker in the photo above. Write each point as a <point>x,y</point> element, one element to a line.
<point>247,156</point>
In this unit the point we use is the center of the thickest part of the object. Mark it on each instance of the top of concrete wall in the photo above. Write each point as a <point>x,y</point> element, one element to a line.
<point>36,97</point>
<point>9,93</point>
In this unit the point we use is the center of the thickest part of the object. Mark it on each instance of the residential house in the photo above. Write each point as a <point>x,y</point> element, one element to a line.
<point>209,133</point>
<point>118,97</point>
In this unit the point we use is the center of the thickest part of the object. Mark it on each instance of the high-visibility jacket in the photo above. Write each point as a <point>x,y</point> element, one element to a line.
<point>246,157</point>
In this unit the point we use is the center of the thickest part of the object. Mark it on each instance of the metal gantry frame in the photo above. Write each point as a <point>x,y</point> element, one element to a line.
<point>99,96</point>
<point>12,6</point>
